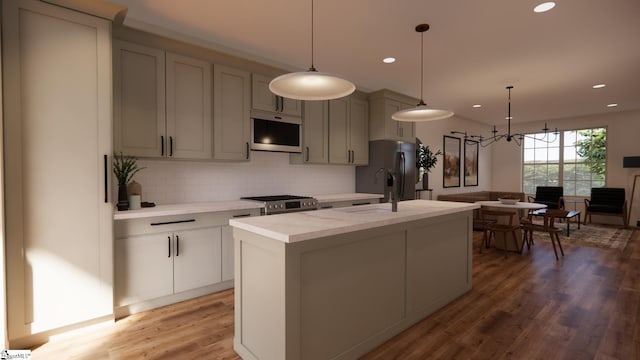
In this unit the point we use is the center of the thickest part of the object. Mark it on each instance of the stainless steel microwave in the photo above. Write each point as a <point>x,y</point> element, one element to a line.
<point>275,132</point>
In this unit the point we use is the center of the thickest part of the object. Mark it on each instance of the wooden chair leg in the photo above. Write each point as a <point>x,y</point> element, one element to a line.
<point>553,242</point>
<point>559,244</point>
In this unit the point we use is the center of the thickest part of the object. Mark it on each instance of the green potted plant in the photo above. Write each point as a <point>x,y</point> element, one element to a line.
<point>124,168</point>
<point>425,161</point>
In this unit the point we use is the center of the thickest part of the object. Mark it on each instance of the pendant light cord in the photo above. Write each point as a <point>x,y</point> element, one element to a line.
<point>421,67</point>
<point>312,68</point>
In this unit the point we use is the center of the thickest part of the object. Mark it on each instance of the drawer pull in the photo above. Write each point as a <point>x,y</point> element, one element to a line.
<point>361,203</point>
<point>173,222</point>
<point>241,215</point>
<point>169,242</point>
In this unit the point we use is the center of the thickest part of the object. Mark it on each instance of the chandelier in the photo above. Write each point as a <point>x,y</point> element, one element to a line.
<point>516,137</point>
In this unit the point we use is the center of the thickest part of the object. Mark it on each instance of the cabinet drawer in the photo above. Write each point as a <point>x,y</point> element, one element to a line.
<point>152,225</point>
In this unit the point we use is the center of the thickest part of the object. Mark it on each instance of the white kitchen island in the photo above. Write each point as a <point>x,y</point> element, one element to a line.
<point>336,283</point>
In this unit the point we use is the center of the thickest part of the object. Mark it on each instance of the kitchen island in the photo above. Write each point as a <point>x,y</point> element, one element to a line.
<point>336,283</point>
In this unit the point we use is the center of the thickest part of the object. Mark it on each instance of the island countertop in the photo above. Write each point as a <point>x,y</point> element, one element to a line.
<point>300,226</point>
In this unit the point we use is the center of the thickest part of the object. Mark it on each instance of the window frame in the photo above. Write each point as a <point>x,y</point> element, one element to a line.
<point>562,163</point>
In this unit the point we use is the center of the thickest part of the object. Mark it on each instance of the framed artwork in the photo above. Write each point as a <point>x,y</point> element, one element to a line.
<point>470,163</point>
<point>451,162</point>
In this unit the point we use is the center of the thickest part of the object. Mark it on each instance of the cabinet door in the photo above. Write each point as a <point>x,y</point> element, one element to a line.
<point>316,132</point>
<point>232,126</point>
<point>264,99</point>
<point>290,106</point>
<point>197,258</point>
<point>397,130</point>
<point>227,253</point>
<point>359,131</point>
<point>339,151</point>
<point>143,268</point>
<point>57,120</point>
<point>261,97</point>
<point>188,102</point>
<point>139,100</point>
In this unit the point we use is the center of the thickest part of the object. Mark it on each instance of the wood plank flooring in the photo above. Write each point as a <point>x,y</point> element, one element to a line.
<point>585,306</point>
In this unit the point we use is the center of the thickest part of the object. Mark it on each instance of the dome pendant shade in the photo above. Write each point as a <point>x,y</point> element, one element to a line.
<point>311,85</point>
<point>421,112</point>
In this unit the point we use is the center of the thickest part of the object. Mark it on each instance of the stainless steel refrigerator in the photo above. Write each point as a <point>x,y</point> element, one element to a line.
<point>389,155</point>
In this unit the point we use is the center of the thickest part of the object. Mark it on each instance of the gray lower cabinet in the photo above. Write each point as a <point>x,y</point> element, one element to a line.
<point>162,260</point>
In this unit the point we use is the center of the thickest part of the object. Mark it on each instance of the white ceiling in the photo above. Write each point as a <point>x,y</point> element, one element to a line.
<point>473,50</point>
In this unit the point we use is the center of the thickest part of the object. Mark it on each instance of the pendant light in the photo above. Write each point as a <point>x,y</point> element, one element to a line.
<point>311,84</point>
<point>421,112</point>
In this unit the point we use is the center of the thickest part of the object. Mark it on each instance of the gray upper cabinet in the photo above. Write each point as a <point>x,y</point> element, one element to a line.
<point>232,124</point>
<point>139,100</point>
<point>385,103</point>
<point>264,99</point>
<point>161,108</point>
<point>188,102</point>
<point>315,134</point>
<point>348,131</point>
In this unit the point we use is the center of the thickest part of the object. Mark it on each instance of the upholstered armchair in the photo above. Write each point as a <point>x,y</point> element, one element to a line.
<point>550,196</point>
<point>606,201</point>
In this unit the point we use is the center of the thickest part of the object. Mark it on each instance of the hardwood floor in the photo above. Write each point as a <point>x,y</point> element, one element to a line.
<point>585,306</point>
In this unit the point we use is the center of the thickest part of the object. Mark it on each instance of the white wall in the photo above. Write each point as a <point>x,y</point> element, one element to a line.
<point>268,173</point>
<point>431,133</point>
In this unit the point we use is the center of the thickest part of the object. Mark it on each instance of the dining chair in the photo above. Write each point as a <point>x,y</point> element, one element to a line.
<point>548,226</point>
<point>504,223</point>
<point>483,225</point>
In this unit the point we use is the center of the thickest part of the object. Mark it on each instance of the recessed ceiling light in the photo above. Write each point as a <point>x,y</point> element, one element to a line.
<point>544,7</point>
<point>477,106</point>
<point>612,105</point>
<point>389,60</point>
<point>599,86</point>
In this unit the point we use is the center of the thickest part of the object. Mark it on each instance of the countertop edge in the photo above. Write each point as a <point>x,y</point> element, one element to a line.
<point>450,208</point>
<point>183,209</point>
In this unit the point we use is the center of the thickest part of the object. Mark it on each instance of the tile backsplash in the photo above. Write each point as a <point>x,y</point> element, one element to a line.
<point>268,173</point>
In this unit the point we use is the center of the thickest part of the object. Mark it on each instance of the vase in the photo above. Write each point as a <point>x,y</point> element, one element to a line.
<point>425,180</point>
<point>123,198</point>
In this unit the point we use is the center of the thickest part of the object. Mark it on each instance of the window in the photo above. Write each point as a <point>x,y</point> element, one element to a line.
<point>578,167</point>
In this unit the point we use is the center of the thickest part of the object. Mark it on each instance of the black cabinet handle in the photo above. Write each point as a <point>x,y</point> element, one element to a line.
<point>173,222</point>
<point>307,148</point>
<point>361,203</point>
<point>170,145</point>
<point>161,145</point>
<point>241,215</point>
<point>106,180</point>
<point>247,151</point>
<point>169,243</point>
<point>177,245</point>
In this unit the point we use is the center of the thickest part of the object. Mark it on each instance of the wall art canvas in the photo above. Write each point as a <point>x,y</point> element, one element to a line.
<point>451,163</point>
<point>470,163</point>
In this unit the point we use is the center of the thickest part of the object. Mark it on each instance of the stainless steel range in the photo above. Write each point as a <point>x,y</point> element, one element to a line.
<point>279,204</point>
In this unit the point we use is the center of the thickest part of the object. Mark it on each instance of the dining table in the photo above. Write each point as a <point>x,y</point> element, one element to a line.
<point>521,209</point>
